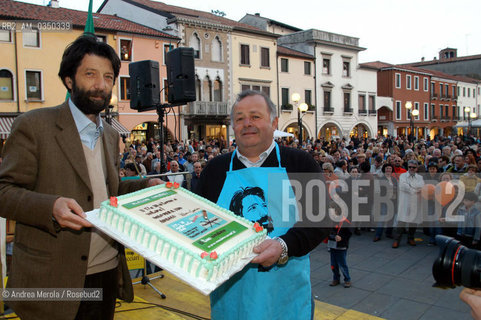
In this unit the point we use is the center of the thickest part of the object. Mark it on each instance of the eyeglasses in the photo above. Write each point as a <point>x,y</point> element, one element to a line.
<point>411,167</point>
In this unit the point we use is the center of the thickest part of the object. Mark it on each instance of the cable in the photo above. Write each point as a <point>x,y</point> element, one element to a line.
<point>152,305</point>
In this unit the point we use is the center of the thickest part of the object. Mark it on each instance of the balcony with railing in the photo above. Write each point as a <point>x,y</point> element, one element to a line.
<point>434,95</point>
<point>348,111</point>
<point>206,108</point>
<point>362,112</point>
<point>372,112</point>
<point>328,110</point>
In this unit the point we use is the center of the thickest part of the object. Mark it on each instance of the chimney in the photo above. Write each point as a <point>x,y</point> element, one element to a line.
<point>422,59</point>
<point>53,4</point>
<point>257,14</point>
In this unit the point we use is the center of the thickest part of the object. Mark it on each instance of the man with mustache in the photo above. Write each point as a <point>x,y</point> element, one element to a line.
<point>276,284</point>
<point>58,163</point>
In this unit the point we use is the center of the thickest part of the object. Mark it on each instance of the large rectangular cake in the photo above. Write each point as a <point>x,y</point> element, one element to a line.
<point>190,232</point>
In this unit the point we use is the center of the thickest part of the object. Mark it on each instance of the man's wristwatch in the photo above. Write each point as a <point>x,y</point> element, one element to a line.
<point>284,257</point>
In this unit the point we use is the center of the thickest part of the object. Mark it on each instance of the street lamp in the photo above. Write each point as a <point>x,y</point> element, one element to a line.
<point>471,115</point>
<point>296,97</point>
<point>412,114</point>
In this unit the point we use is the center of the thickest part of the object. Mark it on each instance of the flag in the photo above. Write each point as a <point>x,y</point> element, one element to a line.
<point>89,24</point>
<point>89,30</point>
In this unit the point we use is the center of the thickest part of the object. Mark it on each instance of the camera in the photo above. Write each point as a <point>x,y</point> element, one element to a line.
<point>456,265</point>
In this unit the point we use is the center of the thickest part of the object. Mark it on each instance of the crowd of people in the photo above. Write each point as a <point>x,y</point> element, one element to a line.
<point>425,161</point>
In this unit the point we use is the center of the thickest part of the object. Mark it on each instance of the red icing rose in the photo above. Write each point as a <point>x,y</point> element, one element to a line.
<point>213,255</point>
<point>168,185</point>
<point>113,202</point>
<point>176,185</point>
<point>259,229</point>
<point>204,254</point>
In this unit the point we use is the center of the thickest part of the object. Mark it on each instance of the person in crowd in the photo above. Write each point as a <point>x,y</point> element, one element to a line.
<point>59,162</point>
<point>337,244</point>
<point>459,165</point>
<point>284,256</point>
<point>387,180</point>
<point>470,179</point>
<point>410,209</point>
<point>179,178</point>
<point>469,229</point>
<point>195,175</point>
<point>140,166</point>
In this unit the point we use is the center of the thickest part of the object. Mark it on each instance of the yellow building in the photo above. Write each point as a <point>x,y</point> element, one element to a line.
<point>32,42</point>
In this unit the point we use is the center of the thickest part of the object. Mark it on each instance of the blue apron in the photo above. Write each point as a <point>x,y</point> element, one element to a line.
<point>284,291</point>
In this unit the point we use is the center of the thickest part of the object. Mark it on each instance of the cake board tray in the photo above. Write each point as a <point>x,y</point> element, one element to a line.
<point>203,286</point>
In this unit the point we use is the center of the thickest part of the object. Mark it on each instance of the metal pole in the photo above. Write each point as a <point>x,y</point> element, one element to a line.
<point>299,124</point>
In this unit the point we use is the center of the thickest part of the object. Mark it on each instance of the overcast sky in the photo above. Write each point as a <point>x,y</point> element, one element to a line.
<point>393,31</point>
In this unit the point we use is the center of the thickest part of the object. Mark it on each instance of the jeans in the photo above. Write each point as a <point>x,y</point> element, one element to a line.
<point>338,260</point>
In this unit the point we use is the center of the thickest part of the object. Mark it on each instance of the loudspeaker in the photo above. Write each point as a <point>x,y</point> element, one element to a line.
<point>181,75</point>
<point>144,85</point>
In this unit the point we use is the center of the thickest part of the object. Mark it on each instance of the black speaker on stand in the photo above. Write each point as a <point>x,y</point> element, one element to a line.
<point>145,95</point>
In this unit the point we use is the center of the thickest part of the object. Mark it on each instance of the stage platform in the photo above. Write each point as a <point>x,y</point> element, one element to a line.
<point>147,304</point>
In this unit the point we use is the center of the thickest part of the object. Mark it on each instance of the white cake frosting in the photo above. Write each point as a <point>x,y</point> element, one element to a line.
<point>180,226</point>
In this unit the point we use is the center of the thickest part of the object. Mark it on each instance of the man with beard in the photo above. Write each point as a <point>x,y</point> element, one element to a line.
<point>58,163</point>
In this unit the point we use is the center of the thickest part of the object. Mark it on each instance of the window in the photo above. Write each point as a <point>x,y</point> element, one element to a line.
<point>347,102</point>
<point>326,66</point>
<point>441,111</point>
<point>416,107</point>
<point>125,88</point>
<point>345,69</point>
<point>267,91</point>
<point>6,85</point>
<point>441,90</point>
<point>408,82</point>
<point>398,110</point>
<point>245,59</point>
<point>246,87</point>
<point>433,89</point>
<point>167,48</point>
<point>265,58</point>
<point>125,50</point>
<point>416,83</point>
<point>398,80</point>
<point>5,36</point>
<point>216,49</point>
<point>433,111</point>
<point>446,89</point>
<point>101,38</point>
<point>372,103</point>
<point>207,89</point>
<point>327,100</point>
<point>308,97</point>
<point>459,91</point>
<point>31,38</point>
<point>446,112</point>
<point>426,111</point>
<point>464,91</point>
<point>217,90</point>
<point>284,65</point>
<point>426,84</point>
<point>469,92</point>
<point>198,89</point>
<point>194,42</point>
<point>256,88</point>
<point>285,97</point>
<point>454,91</point>
<point>307,67</point>
<point>34,85</point>
<point>362,102</point>
<point>454,113</point>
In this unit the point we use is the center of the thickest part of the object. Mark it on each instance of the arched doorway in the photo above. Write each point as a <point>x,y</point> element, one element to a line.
<point>146,130</point>
<point>294,129</point>
<point>360,130</point>
<point>330,130</point>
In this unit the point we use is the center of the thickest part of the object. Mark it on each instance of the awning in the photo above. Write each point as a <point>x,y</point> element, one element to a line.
<point>5,126</point>
<point>119,127</point>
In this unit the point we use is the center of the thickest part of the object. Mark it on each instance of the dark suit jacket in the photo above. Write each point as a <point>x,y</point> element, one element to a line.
<point>43,159</point>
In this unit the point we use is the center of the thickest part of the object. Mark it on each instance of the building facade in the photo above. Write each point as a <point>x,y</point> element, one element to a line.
<point>340,84</point>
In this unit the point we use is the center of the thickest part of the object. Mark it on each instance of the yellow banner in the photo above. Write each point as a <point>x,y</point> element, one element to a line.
<point>134,260</point>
